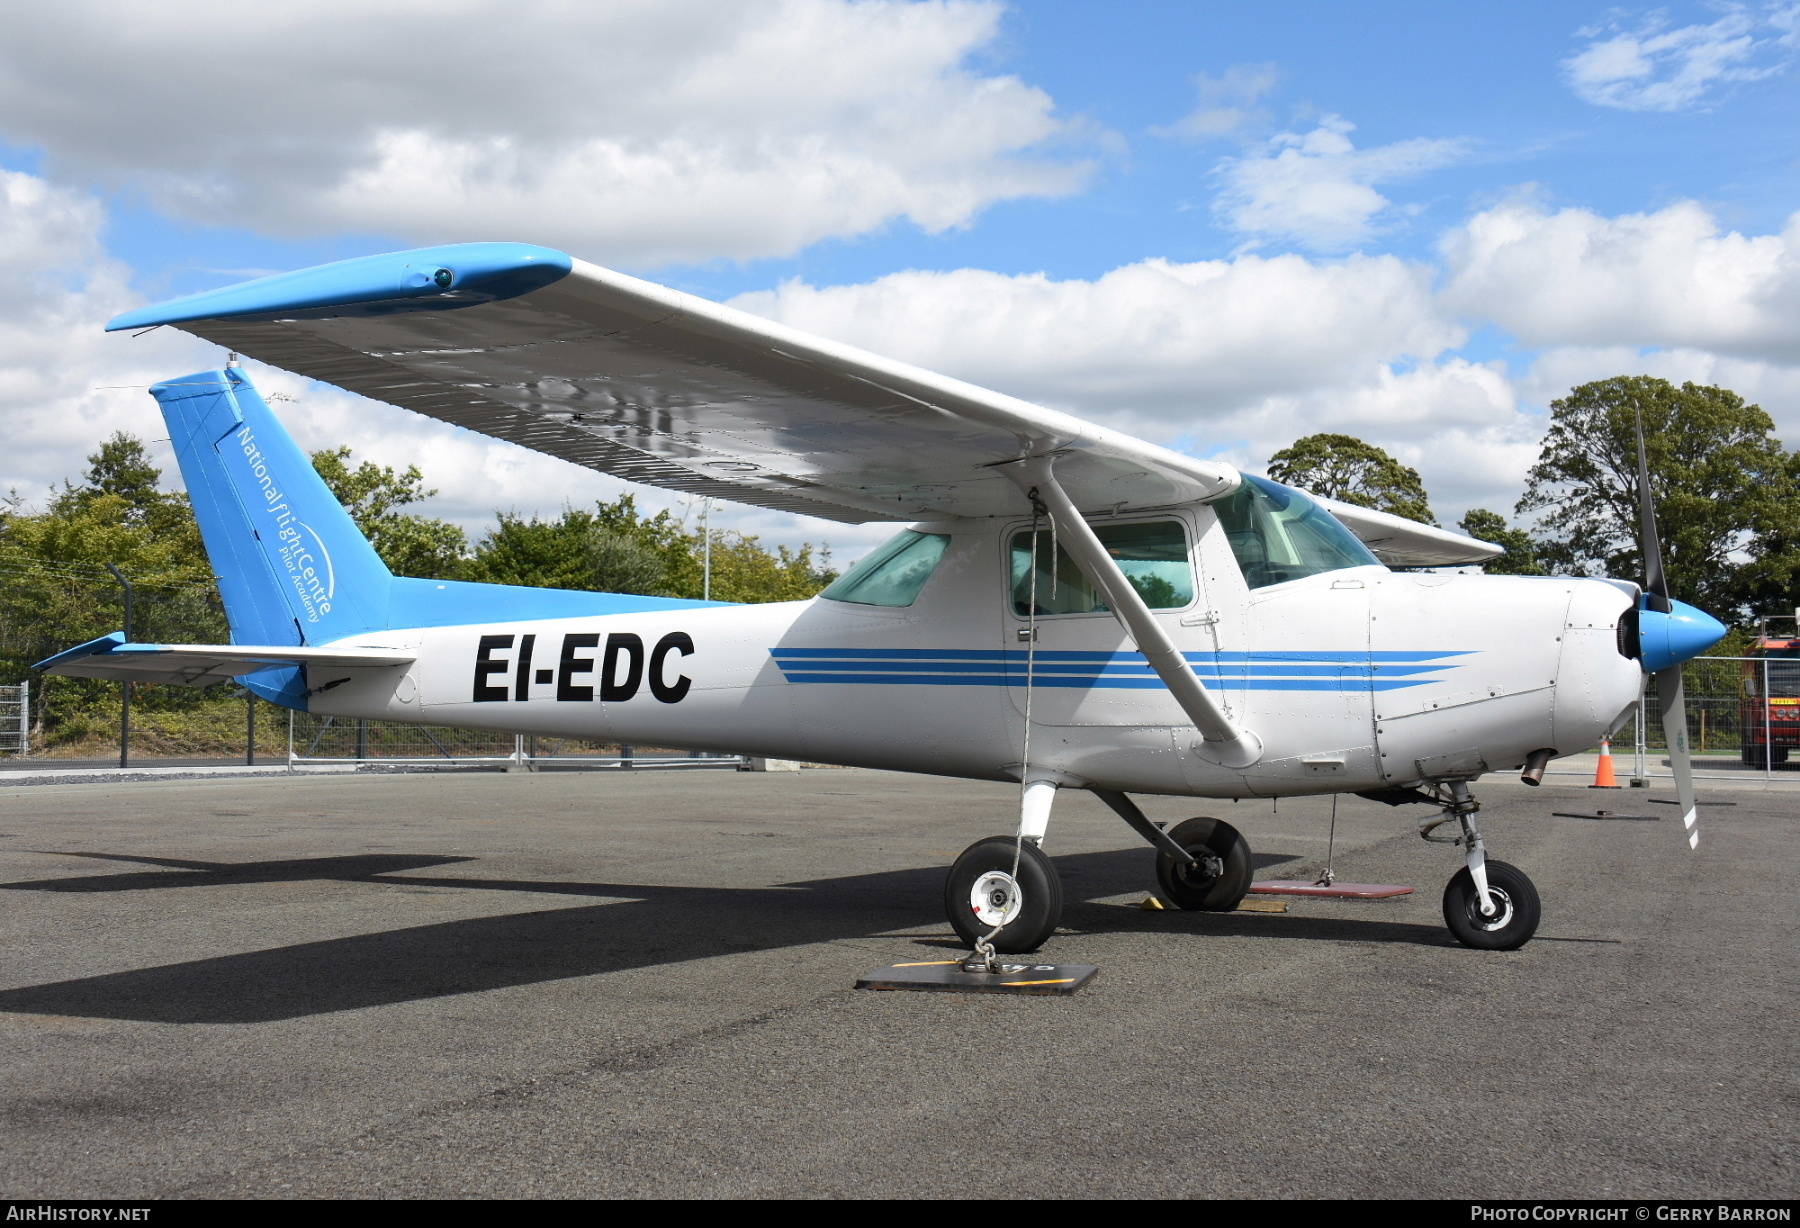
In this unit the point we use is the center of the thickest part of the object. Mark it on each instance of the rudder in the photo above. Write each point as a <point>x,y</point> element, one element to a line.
<point>293,568</point>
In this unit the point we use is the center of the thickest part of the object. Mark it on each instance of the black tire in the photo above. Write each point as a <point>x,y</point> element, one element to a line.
<point>1190,887</point>
<point>1038,886</point>
<point>1519,909</point>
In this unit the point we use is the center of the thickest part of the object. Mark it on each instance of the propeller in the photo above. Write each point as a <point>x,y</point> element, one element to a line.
<point>1669,632</point>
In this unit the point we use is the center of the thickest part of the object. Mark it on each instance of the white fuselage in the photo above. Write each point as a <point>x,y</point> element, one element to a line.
<point>1352,679</point>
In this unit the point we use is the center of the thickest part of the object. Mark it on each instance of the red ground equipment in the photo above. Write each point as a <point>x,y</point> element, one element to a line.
<point>1769,713</point>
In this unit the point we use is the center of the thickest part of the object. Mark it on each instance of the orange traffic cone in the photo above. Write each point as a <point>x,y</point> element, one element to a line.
<point>1603,774</point>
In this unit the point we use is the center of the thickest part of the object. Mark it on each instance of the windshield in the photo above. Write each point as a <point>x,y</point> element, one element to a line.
<point>1278,534</point>
<point>1153,556</point>
<point>892,575</point>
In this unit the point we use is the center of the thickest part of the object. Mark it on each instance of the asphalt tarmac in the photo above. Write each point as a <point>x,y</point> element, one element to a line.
<point>601,985</point>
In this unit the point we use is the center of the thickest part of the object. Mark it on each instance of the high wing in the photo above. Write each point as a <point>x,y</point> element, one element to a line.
<point>111,658</point>
<point>529,345</point>
<point>1400,542</point>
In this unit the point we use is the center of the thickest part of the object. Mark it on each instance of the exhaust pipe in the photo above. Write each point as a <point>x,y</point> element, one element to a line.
<point>1535,763</point>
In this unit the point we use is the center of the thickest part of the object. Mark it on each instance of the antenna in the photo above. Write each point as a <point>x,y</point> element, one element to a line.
<point>231,359</point>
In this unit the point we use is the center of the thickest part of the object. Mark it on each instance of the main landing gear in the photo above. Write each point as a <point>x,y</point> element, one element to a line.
<point>1004,891</point>
<point>1489,905</point>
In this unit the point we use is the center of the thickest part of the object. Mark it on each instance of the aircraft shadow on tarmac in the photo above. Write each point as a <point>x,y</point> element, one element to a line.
<point>640,926</point>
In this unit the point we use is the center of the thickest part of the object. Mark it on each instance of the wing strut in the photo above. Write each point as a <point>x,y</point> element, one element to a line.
<point>1222,741</point>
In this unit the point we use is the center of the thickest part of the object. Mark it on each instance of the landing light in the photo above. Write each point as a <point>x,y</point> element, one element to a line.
<point>418,279</point>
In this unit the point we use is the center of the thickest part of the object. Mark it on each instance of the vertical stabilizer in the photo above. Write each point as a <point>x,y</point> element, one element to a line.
<point>293,567</point>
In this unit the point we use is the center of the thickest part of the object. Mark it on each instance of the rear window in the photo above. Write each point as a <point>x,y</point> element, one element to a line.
<point>1153,556</point>
<point>892,575</point>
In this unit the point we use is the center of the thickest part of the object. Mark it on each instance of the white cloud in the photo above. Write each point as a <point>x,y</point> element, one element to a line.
<point>1773,386</point>
<point>1653,68</point>
<point>1227,102</point>
<point>637,132</point>
<point>1458,423</point>
<point>66,385</point>
<point>1234,358</point>
<point>1670,278</point>
<point>1317,189</point>
<point>1162,345</point>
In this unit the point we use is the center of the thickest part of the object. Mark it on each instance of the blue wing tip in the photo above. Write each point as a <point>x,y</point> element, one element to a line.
<point>423,279</point>
<point>106,643</point>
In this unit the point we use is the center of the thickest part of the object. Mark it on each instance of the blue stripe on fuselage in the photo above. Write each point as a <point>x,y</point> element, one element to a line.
<point>1258,671</point>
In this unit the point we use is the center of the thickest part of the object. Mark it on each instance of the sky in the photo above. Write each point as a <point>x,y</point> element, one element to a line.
<point>1218,227</point>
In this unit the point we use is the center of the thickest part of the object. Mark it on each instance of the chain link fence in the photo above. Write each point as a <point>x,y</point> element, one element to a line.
<point>15,719</point>
<point>1743,717</point>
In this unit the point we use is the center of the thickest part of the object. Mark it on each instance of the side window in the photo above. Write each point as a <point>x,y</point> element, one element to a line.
<point>893,574</point>
<point>1278,534</point>
<point>1153,556</point>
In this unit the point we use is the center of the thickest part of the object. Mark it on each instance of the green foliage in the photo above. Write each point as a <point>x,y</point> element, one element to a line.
<point>55,591</point>
<point>618,549</point>
<point>1156,590</point>
<point>1345,468</point>
<point>410,545</point>
<point>575,550</point>
<point>1721,484</point>
<point>1520,559</point>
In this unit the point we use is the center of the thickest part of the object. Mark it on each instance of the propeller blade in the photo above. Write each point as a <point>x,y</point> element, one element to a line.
<point>1655,582</point>
<point>1673,706</point>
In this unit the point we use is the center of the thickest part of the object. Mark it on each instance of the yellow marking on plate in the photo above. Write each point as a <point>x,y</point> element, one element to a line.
<point>929,963</point>
<point>1063,981</point>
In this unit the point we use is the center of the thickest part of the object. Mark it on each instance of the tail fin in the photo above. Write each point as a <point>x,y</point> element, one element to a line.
<point>293,567</point>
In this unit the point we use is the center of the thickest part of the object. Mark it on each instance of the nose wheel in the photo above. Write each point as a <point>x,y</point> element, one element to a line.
<point>1006,888</point>
<point>1514,901</point>
<point>1488,905</point>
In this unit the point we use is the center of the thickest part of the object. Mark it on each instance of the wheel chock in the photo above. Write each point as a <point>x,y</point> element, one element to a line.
<point>970,975</point>
<point>1339,891</point>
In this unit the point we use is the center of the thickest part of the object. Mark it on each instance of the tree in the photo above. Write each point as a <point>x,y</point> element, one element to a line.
<point>1723,487</point>
<point>1345,468</point>
<point>410,545</point>
<point>1520,559</point>
<point>55,591</point>
<point>618,549</point>
<point>576,550</point>
<point>122,473</point>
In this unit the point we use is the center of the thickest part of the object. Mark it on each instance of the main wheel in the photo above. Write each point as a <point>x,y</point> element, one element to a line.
<point>1516,913</point>
<point>1221,881</point>
<point>984,891</point>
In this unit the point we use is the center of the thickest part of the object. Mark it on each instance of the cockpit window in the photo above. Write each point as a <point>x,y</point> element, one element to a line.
<point>892,575</point>
<point>1278,534</point>
<point>1153,556</point>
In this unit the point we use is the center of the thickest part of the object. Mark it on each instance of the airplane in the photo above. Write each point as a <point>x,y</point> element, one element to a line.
<point>1068,607</point>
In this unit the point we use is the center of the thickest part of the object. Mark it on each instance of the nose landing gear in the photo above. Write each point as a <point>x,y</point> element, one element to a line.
<point>1489,905</point>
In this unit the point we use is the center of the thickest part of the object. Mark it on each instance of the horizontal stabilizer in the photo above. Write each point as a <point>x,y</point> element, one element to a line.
<point>111,658</point>
<point>1400,542</point>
